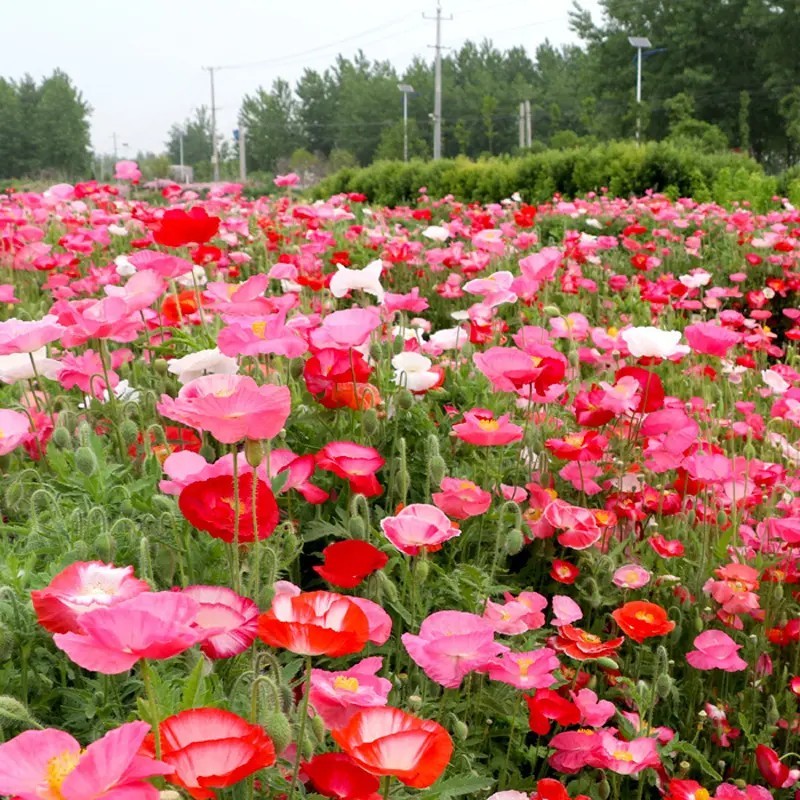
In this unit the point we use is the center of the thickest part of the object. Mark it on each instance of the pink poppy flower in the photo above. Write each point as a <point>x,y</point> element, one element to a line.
<point>229,407</point>
<point>451,644</point>
<point>355,463</point>
<point>7,293</point>
<point>628,758</point>
<point>127,171</point>
<point>348,328</point>
<point>461,499</point>
<point>337,696</point>
<point>82,587</point>
<point>109,318</point>
<point>25,336</point>
<point>49,764</point>
<point>300,469</point>
<point>575,750</point>
<point>418,527</point>
<point>14,430</point>
<point>710,339</point>
<point>153,625</point>
<point>529,670</point>
<point>141,290</point>
<point>288,180</point>
<point>231,619</point>
<point>594,712</point>
<point>481,428</point>
<point>517,614</point>
<point>565,610</point>
<point>716,650</point>
<point>270,334</point>
<point>164,265</point>
<point>631,576</point>
<point>85,370</point>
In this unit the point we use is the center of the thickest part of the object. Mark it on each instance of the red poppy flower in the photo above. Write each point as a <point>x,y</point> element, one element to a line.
<point>581,446</point>
<point>582,645</point>
<point>546,705</point>
<point>209,506</point>
<point>564,572</point>
<point>178,227</point>
<point>328,366</point>
<point>358,396</point>
<point>666,548</point>
<point>175,309</point>
<point>314,623</point>
<point>354,462</point>
<point>773,770</point>
<point>337,775</point>
<point>347,563</point>
<point>652,393</point>
<point>642,620</point>
<point>210,749</point>
<point>387,741</point>
<point>551,789</point>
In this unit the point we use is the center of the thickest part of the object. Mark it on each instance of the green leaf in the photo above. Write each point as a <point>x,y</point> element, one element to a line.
<point>194,683</point>
<point>279,481</point>
<point>460,785</point>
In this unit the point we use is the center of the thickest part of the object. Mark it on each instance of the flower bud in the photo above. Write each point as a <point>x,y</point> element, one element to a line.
<point>437,469</point>
<point>61,439</point>
<point>129,431</point>
<point>357,528</point>
<point>604,789</point>
<point>278,729</point>
<point>370,422</point>
<point>376,351</point>
<point>422,568</point>
<point>253,452</point>
<point>414,702</point>
<point>461,730</point>
<point>104,544</point>
<point>86,461</point>
<point>552,311</point>
<point>663,686</point>
<point>6,642</point>
<point>207,451</point>
<point>318,729</point>
<point>160,366</point>
<point>515,541</point>
<point>404,398</point>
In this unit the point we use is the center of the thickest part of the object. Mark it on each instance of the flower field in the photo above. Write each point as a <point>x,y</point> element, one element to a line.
<point>336,500</point>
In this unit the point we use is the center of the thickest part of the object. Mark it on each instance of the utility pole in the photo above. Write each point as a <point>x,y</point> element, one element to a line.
<point>214,151</point>
<point>521,125</point>
<point>437,95</point>
<point>114,137</point>
<point>180,144</point>
<point>528,128</point>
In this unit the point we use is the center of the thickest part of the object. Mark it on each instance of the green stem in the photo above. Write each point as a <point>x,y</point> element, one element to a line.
<point>387,783</point>
<point>147,679</point>
<point>236,577</point>
<point>301,731</point>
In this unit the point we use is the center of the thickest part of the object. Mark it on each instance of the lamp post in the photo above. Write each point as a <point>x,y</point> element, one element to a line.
<point>640,43</point>
<point>406,89</point>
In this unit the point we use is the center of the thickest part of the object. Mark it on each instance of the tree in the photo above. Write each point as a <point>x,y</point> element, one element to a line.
<point>61,127</point>
<point>11,132</point>
<point>196,132</point>
<point>273,131</point>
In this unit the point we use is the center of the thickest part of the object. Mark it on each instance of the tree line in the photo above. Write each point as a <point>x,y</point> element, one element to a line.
<point>44,128</point>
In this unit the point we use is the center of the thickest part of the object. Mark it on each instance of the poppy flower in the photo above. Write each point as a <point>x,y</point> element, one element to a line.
<point>178,227</point>
<point>355,463</point>
<point>337,775</point>
<point>716,650</point>
<point>209,506</point>
<point>80,588</point>
<point>564,572</point>
<point>210,748</point>
<point>314,623</point>
<point>773,770</point>
<point>348,562</point>
<point>230,619</point>
<point>546,706</point>
<point>642,620</point>
<point>418,527</point>
<point>651,397</point>
<point>387,741</point>
<point>582,446</point>
<point>582,645</point>
<point>51,764</point>
<point>481,428</point>
<point>175,308</point>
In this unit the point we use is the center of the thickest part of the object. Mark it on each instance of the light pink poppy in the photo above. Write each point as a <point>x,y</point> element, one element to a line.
<point>49,764</point>
<point>517,614</point>
<point>300,469</point>
<point>418,527</point>
<point>162,264</point>
<point>82,587</point>
<point>25,336</point>
<point>14,430</point>
<point>529,670</point>
<point>628,758</point>
<point>288,180</point>
<point>337,696</point>
<point>85,370</point>
<point>229,407</point>
<point>348,328</point>
<point>141,290</point>
<point>716,650</point>
<point>631,576</point>
<point>7,293</point>
<point>269,334</point>
<point>451,644</point>
<point>481,428</point>
<point>154,625</point>
<point>461,499</point>
<point>231,619</point>
<point>594,712</point>
<point>565,611</point>
<point>127,171</point>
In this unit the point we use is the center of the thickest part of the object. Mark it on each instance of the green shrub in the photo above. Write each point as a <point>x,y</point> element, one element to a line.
<point>620,167</point>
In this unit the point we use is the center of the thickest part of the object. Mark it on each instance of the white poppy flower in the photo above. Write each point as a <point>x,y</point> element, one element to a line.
<point>203,362</point>
<point>367,280</point>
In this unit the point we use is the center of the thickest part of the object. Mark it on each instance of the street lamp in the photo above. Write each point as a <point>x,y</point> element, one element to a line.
<point>640,43</point>
<point>406,89</point>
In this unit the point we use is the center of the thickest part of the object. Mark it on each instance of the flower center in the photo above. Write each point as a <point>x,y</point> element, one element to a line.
<point>702,794</point>
<point>574,439</point>
<point>58,769</point>
<point>346,684</point>
<point>645,616</point>
<point>623,755</point>
<point>466,485</point>
<point>488,424</point>
<point>524,665</point>
<point>259,328</point>
<point>591,638</point>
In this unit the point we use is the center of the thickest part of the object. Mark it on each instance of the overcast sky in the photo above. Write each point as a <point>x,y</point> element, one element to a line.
<point>138,62</point>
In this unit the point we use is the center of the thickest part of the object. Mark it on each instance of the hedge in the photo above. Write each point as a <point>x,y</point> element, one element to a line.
<point>621,168</point>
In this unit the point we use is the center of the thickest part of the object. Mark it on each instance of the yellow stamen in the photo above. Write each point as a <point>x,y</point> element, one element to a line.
<point>345,684</point>
<point>58,769</point>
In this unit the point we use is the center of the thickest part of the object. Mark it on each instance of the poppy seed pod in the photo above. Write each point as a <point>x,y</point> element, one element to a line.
<point>253,452</point>
<point>160,366</point>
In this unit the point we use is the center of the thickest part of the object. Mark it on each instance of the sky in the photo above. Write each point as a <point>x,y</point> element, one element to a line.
<point>139,63</point>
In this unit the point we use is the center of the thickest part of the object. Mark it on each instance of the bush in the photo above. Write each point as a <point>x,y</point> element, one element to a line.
<point>621,168</point>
